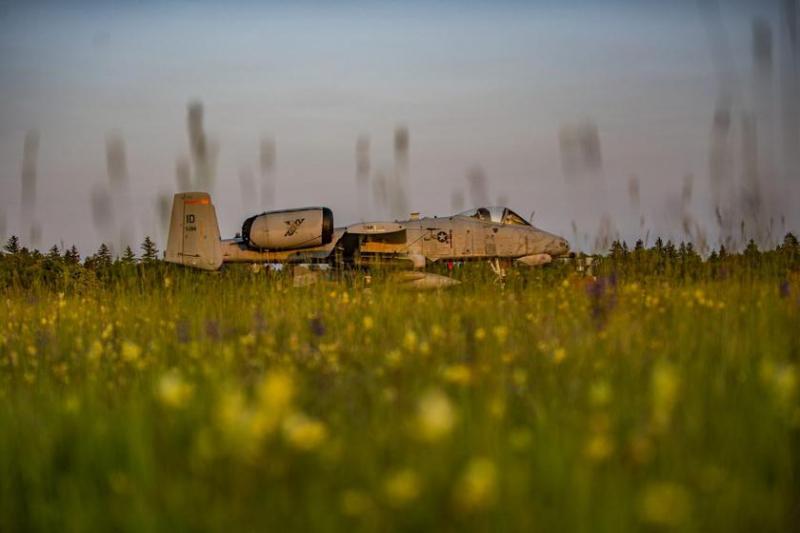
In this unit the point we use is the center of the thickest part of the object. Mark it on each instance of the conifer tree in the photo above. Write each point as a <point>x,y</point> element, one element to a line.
<point>790,242</point>
<point>128,257</point>
<point>670,251</point>
<point>72,256</point>
<point>12,246</point>
<point>149,250</point>
<point>54,254</point>
<point>617,251</point>
<point>103,256</point>
<point>659,245</point>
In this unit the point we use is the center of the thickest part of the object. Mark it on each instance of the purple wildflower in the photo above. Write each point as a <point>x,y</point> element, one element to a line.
<point>317,326</point>
<point>785,288</point>
<point>182,331</point>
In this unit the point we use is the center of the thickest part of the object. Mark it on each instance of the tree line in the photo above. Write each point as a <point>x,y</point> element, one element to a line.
<point>62,269</point>
<point>59,269</point>
<point>682,261</point>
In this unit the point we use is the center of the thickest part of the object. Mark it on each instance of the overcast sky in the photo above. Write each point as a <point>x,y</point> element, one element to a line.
<point>476,83</point>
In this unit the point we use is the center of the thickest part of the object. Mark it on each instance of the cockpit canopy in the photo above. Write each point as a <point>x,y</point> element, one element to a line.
<point>498,215</point>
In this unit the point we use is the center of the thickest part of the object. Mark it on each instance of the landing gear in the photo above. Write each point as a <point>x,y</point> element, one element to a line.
<point>499,270</point>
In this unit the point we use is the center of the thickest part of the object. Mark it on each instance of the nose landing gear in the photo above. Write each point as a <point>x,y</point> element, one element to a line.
<point>499,271</point>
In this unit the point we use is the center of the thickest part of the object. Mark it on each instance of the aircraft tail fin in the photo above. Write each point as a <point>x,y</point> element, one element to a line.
<point>194,238</point>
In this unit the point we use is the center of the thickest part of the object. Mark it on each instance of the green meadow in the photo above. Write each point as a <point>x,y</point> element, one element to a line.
<point>658,392</point>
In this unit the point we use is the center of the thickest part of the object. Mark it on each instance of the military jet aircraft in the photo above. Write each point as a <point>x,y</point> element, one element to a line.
<point>307,235</point>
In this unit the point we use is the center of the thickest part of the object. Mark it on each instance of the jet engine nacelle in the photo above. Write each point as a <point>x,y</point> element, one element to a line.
<point>291,228</point>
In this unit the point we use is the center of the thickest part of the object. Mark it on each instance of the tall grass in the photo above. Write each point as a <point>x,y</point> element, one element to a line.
<point>237,402</point>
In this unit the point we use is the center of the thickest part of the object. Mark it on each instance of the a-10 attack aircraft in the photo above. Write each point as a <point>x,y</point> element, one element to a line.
<point>307,235</point>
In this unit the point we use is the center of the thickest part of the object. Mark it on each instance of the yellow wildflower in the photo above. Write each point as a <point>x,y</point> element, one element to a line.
<point>435,416</point>
<point>230,411</point>
<point>459,374</point>
<point>599,447</point>
<point>665,504</point>
<point>410,341</point>
<point>368,323</point>
<point>665,388</point>
<point>477,487</point>
<point>355,502</point>
<point>276,391</point>
<point>393,358</point>
<point>119,482</point>
<point>785,384</point>
<point>600,393</point>
<point>72,404</point>
<point>520,439</point>
<point>130,351</point>
<point>501,333</point>
<point>402,487</point>
<point>302,432</point>
<point>173,391</point>
<point>497,407</point>
<point>520,377</point>
<point>274,395</point>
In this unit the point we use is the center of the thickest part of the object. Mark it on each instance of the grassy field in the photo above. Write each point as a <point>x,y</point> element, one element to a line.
<point>235,402</point>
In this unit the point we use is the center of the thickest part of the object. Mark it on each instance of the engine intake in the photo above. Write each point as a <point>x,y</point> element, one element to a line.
<point>290,228</point>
